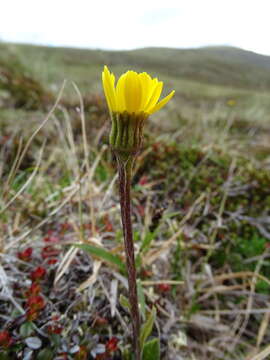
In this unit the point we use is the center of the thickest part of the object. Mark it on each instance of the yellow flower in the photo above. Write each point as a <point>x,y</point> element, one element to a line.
<point>231,102</point>
<point>134,93</point>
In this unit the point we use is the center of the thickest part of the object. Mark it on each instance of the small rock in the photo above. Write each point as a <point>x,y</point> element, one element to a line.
<point>33,342</point>
<point>74,349</point>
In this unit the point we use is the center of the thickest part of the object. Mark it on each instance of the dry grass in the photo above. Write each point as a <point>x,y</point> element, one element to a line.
<point>59,181</point>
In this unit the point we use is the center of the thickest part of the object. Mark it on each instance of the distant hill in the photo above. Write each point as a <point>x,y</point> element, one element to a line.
<point>216,65</point>
<point>220,87</point>
<point>221,66</point>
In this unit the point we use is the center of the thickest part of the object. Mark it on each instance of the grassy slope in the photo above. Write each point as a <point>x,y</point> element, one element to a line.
<point>205,137</point>
<point>215,65</point>
<point>206,77</point>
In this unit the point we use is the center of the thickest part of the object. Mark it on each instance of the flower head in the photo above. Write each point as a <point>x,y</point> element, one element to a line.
<point>134,93</point>
<point>131,101</point>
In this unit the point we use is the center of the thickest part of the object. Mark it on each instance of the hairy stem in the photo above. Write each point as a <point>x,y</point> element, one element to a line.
<point>125,173</point>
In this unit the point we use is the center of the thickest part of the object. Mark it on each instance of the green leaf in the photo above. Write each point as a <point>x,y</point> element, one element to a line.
<point>126,355</point>
<point>45,354</point>
<point>26,329</point>
<point>101,173</point>
<point>147,327</point>
<point>124,302</point>
<point>56,340</point>
<point>146,243</point>
<point>4,355</point>
<point>141,299</point>
<point>138,261</point>
<point>103,254</point>
<point>151,350</point>
<point>170,215</point>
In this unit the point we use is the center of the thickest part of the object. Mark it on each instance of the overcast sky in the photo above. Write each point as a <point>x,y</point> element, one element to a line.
<point>119,24</point>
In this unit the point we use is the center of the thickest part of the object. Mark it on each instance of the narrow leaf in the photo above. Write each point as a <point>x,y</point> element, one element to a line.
<point>45,354</point>
<point>103,254</point>
<point>141,299</point>
<point>151,350</point>
<point>124,302</point>
<point>147,327</point>
<point>146,243</point>
<point>26,329</point>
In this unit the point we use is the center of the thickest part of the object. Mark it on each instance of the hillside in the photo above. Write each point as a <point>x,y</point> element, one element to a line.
<point>214,65</point>
<point>211,65</point>
<point>200,207</point>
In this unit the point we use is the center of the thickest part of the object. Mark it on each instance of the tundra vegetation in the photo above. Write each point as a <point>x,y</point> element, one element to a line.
<point>200,207</point>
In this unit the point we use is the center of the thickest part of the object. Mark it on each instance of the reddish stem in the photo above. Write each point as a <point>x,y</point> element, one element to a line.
<point>124,172</point>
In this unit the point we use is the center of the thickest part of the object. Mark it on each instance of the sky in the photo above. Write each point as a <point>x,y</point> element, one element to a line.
<point>119,24</point>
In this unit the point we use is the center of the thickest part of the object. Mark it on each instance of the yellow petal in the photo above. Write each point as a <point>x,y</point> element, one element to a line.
<point>120,94</point>
<point>162,103</point>
<point>155,96</point>
<point>151,88</point>
<point>106,91</point>
<point>133,92</point>
<point>146,86</point>
<point>109,90</point>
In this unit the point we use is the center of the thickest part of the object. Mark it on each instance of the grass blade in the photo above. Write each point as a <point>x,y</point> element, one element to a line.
<point>103,254</point>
